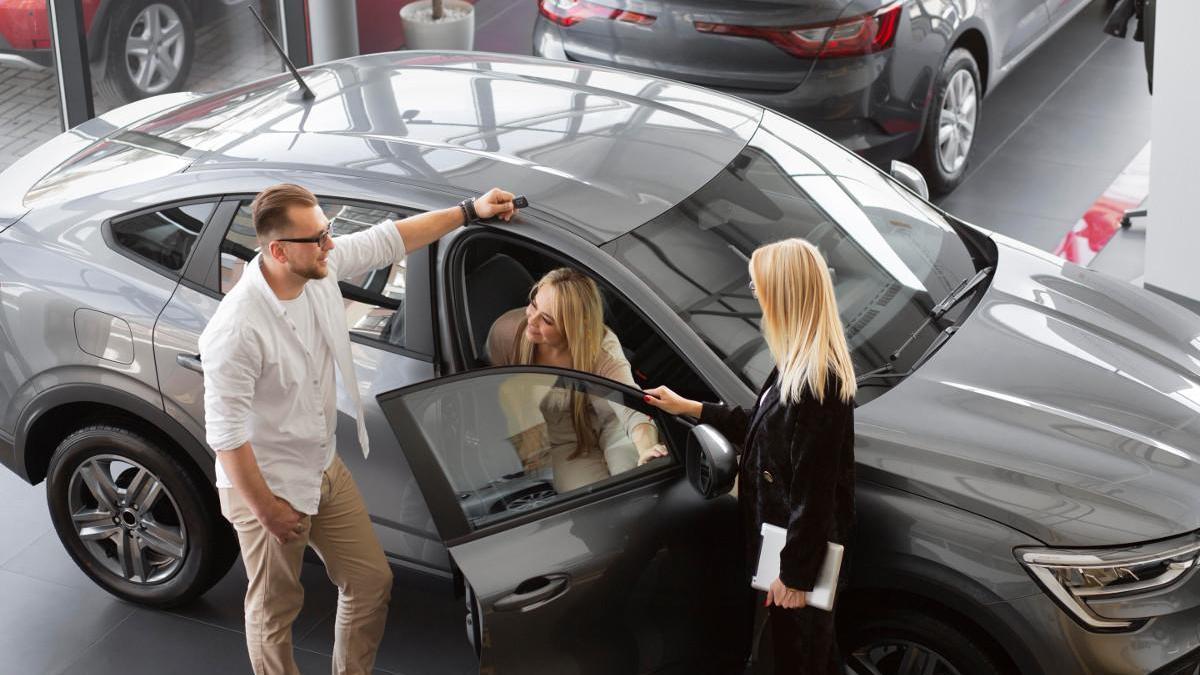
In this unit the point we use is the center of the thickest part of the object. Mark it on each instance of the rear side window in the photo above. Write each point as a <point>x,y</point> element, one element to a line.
<point>163,238</point>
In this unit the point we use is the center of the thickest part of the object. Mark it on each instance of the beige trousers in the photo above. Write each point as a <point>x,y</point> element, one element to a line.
<point>341,534</point>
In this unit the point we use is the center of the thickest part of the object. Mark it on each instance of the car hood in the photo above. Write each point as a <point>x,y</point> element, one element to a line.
<point>1067,406</point>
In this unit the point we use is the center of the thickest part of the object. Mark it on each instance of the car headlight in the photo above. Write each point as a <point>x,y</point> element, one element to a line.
<point>1075,576</point>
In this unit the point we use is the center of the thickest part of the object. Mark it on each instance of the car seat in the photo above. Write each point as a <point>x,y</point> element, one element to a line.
<point>496,286</point>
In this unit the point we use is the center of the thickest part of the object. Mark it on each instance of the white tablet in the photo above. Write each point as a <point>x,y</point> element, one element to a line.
<point>822,594</point>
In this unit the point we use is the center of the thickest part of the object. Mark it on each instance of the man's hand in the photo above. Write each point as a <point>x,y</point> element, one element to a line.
<point>787,598</point>
<point>495,204</point>
<point>282,521</point>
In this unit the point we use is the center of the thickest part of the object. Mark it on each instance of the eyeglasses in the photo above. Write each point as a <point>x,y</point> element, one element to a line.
<point>320,240</point>
<point>753,290</point>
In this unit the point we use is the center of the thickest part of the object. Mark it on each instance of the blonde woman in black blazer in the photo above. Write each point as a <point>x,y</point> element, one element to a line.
<point>796,445</point>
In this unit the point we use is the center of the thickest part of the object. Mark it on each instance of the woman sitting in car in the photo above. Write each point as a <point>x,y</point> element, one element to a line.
<point>581,439</point>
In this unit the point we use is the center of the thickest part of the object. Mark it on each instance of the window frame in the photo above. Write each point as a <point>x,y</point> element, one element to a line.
<point>452,523</point>
<point>454,283</point>
<point>203,273</point>
<point>110,238</point>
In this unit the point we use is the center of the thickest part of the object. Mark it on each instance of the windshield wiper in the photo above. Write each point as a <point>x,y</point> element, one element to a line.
<point>964,289</point>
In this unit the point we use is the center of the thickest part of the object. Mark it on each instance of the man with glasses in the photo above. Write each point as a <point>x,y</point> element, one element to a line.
<point>269,356</point>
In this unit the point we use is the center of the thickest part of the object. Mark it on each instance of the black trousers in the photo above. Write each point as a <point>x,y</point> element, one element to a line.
<point>804,642</point>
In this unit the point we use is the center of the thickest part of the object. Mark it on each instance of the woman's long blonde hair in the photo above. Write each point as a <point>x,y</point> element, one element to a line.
<point>581,320</point>
<point>800,319</point>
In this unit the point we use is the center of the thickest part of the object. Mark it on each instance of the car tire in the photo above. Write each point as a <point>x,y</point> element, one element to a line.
<point>879,642</point>
<point>941,156</point>
<point>130,74</point>
<point>163,552</point>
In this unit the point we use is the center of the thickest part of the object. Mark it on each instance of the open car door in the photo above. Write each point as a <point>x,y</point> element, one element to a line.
<point>574,562</point>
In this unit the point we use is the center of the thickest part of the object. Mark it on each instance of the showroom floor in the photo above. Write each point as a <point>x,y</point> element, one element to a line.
<point>1054,136</point>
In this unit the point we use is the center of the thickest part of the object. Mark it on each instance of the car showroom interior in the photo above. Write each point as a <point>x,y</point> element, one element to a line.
<point>568,423</point>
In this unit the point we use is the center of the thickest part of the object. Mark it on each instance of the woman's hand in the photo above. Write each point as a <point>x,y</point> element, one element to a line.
<point>651,453</point>
<point>787,598</point>
<point>668,401</point>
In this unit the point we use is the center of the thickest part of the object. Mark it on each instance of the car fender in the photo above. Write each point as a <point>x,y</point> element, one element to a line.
<point>130,398</point>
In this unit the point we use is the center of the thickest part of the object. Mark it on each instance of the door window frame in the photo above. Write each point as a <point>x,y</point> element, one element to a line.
<point>452,524</point>
<point>454,286</point>
<point>174,275</point>
<point>202,272</point>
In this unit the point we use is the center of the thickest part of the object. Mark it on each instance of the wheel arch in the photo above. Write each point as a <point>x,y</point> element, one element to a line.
<point>55,413</point>
<point>946,594</point>
<point>974,41</point>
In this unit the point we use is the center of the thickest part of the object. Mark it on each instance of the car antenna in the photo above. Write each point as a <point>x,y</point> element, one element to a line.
<point>305,92</point>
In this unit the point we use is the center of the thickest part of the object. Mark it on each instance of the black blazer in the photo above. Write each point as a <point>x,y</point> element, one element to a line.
<point>796,471</point>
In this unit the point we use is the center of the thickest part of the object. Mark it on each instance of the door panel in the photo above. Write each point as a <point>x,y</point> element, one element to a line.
<point>575,569</point>
<point>1017,24</point>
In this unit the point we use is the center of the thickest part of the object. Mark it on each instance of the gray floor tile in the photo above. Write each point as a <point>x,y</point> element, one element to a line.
<point>46,559</point>
<point>508,31</point>
<point>1116,93</point>
<point>47,626</point>
<point>153,643</point>
<point>1037,187</point>
<point>1077,138</point>
<point>23,514</point>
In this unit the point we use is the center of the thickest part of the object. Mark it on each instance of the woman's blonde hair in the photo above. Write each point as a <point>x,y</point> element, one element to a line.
<point>580,317</point>
<point>800,319</point>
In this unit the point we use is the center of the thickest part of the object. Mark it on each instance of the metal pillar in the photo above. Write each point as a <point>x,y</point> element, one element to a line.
<point>69,44</point>
<point>333,25</point>
<point>293,24</point>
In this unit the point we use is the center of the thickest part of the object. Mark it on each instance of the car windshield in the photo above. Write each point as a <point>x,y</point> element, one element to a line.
<point>892,256</point>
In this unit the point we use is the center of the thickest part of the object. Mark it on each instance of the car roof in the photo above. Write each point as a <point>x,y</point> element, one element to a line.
<point>601,149</point>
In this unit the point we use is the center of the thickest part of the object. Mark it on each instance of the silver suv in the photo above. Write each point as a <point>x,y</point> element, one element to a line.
<point>1028,486</point>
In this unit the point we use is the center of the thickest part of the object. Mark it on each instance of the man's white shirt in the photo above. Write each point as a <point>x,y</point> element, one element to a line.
<point>269,381</point>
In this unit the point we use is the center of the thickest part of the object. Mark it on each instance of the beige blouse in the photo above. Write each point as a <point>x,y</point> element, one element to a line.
<point>540,412</point>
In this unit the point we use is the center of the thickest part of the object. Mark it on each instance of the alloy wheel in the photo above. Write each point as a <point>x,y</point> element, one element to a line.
<point>127,520</point>
<point>154,48</point>
<point>904,657</point>
<point>956,125</point>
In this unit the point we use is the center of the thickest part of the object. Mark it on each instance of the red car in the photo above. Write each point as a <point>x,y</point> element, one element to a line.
<point>140,48</point>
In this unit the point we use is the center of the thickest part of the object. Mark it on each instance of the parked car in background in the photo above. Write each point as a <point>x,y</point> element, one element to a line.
<point>1028,490</point>
<point>137,48</point>
<point>889,79</point>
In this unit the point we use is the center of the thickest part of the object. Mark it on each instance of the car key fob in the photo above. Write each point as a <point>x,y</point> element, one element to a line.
<point>520,202</point>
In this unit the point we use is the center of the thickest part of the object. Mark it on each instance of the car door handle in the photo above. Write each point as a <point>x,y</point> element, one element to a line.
<point>533,593</point>
<point>190,361</point>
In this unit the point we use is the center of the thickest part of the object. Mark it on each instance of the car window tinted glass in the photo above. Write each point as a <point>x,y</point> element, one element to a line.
<point>164,237</point>
<point>891,255</point>
<point>375,299</point>
<point>508,442</point>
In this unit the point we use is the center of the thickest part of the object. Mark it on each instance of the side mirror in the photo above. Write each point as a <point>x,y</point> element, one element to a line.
<point>711,462</point>
<point>908,176</point>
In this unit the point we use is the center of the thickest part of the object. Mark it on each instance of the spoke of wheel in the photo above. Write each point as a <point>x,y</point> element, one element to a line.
<point>99,532</point>
<point>146,72</point>
<point>137,46</point>
<point>163,539</point>
<point>100,484</point>
<point>908,663</point>
<point>143,490</point>
<point>167,69</point>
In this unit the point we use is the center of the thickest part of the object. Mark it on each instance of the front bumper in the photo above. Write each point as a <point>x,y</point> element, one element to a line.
<point>1167,645</point>
<point>849,100</point>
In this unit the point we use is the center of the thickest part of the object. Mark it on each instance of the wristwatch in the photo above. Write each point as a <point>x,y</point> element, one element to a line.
<point>468,209</point>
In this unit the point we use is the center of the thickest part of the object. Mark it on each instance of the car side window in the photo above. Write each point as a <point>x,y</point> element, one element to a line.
<point>374,300</point>
<point>514,442</point>
<point>164,237</point>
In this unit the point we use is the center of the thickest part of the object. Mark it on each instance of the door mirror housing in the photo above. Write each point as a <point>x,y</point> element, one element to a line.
<point>711,462</point>
<point>908,176</point>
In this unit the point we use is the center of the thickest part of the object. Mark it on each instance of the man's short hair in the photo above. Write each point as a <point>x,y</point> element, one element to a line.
<point>269,208</point>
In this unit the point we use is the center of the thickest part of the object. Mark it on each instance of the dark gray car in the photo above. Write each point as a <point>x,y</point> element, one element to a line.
<point>889,79</point>
<point>1028,487</point>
